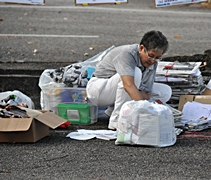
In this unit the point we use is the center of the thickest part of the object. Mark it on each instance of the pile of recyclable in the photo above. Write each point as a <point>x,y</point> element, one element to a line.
<point>12,111</point>
<point>183,77</point>
<point>63,90</point>
<point>14,103</point>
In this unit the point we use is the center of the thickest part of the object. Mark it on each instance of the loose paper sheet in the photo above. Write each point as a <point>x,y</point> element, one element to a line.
<point>197,112</point>
<point>83,134</point>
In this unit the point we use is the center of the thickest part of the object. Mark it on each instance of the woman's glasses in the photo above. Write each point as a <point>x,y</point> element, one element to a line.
<point>152,58</point>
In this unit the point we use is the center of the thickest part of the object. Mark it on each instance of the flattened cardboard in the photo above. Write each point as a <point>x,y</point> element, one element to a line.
<point>198,98</point>
<point>27,129</point>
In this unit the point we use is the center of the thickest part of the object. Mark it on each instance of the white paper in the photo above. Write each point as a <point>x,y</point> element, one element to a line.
<point>209,84</point>
<point>99,1</point>
<point>169,79</point>
<point>78,136</point>
<point>197,73</point>
<point>196,112</point>
<point>83,134</point>
<point>151,127</point>
<point>164,3</point>
<point>168,72</point>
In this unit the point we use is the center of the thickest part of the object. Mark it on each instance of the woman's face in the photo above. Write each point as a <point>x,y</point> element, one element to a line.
<point>150,57</point>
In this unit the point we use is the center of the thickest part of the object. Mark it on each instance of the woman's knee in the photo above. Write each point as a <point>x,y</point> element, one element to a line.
<point>161,91</point>
<point>166,92</point>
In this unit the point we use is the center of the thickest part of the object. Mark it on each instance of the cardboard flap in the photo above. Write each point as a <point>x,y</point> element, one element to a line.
<point>15,124</point>
<point>183,99</point>
<point>203,99</point>
<point>50,119</point>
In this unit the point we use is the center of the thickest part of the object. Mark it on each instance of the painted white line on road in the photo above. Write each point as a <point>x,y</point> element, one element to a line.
<point>158,10</point>
<point>48,35</point>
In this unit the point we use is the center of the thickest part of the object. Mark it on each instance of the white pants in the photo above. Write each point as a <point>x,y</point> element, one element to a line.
<point>110,92</point>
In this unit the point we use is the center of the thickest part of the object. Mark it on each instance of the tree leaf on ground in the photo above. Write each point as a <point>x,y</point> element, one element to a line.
<point>177,36</point>
<point>31,42</point>
<point>73,51</point>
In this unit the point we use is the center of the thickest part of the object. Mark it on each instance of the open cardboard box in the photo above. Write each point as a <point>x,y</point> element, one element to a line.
<point>204,99</point>
<point>26,130</point>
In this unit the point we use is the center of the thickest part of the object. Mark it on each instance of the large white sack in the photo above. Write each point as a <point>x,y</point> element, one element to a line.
<point>145,123</point>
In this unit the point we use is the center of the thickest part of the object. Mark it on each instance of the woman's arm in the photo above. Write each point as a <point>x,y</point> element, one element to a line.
<point>132,90</point>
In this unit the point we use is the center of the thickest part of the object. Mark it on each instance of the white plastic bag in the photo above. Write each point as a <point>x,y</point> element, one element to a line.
<point>27,100</point>
<point>50,90</point>
<point>145,123</point>
<point>46,81</point>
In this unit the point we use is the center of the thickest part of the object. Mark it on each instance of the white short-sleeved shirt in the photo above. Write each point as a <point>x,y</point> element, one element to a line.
<point>123,60</point>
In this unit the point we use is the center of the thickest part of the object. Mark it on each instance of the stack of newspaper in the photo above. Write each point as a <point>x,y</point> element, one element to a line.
<point>183,77</point>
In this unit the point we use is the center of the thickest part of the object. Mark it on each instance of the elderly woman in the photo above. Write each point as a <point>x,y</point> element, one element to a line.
<point>127,73</point>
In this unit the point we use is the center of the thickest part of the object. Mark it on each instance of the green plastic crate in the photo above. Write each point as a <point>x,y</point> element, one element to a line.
<point>75,113</point>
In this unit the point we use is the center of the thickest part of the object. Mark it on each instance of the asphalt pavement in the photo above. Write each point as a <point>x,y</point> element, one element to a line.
<point>59,157</point>
<point>62,32</point>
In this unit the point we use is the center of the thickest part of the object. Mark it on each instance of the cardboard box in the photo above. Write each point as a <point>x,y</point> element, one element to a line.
<point>27,130</point>
<point>198,98</point>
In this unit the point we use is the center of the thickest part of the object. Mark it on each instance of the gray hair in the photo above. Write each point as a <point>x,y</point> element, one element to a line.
<point>155,40</point>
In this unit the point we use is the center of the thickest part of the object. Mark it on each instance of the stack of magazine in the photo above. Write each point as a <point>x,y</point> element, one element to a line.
<point>183,77</point>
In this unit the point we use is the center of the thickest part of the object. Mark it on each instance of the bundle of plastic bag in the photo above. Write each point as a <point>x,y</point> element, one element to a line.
<point>145,123</point>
